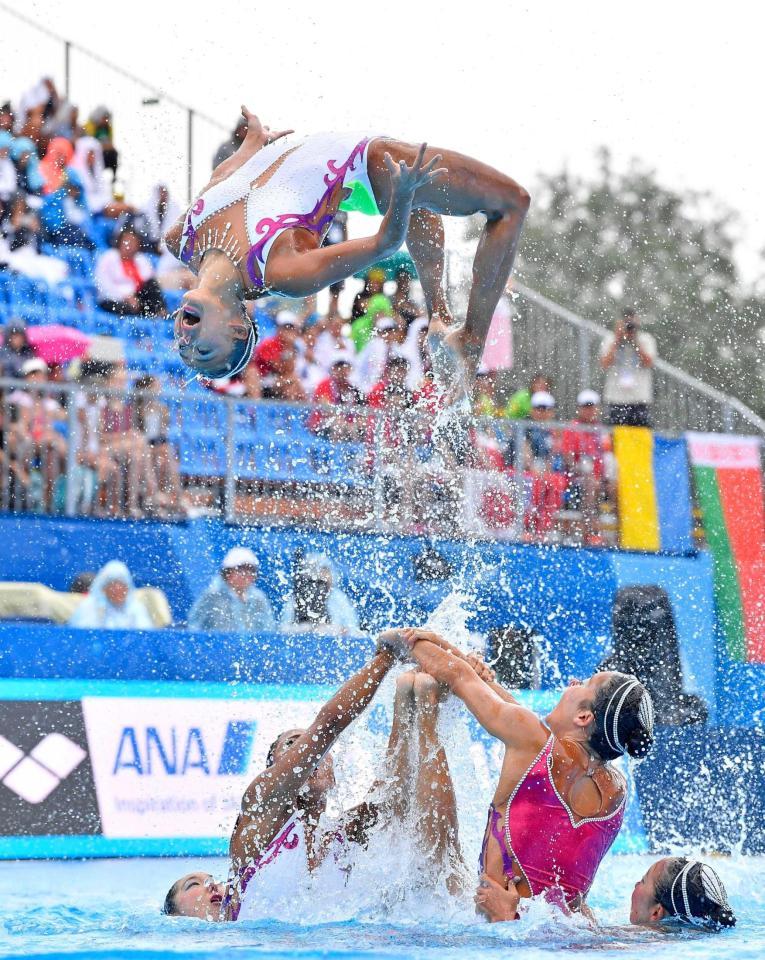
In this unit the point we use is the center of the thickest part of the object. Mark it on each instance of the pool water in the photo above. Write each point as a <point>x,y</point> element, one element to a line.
<point>110,908</point>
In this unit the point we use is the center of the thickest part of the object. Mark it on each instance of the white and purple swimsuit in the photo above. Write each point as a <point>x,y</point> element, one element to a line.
<point>303,180</point>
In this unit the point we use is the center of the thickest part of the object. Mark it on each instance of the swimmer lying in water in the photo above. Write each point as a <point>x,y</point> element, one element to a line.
<point>258,226</point>
<point>681,890</point>
<point>278,834</point>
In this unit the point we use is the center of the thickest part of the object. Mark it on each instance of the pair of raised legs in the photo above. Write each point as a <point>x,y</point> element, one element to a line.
<point>467,188</point>
<point>418,777</point>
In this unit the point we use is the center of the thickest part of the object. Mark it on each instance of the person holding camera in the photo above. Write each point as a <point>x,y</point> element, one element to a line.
<point>316,604</point>
<point>627,355</point>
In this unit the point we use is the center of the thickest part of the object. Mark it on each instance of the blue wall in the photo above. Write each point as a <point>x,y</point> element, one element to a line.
<point>565,594</point>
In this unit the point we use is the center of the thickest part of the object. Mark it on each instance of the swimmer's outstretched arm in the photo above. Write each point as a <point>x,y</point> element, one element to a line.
<point>508,722</point>
<point>299,274</point>
<point>270,796</point>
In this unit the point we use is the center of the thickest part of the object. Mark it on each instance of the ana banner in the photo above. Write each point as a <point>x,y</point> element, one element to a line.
<point>727,474</point>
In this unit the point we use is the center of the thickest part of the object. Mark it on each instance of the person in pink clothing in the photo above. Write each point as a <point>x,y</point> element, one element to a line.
<point>559,804</point>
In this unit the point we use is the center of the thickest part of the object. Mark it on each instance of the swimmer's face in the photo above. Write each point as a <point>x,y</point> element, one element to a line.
<point>208,328</point>
<point>322,780</point>
<point>577,699</point>
<point>645,910</point>
<point>198,895</point>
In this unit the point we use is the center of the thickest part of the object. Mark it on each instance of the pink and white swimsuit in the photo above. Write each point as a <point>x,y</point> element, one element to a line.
<point>280,877</point>
<point>305,181</point>
<point>553,849</point>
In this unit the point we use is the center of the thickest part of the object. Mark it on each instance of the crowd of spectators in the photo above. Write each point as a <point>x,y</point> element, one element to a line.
<point>362,363</point>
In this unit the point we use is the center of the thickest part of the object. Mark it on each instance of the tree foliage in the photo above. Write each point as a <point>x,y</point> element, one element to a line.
<point>622,239</point>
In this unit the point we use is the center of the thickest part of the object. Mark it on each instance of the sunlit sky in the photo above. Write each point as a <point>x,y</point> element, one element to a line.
<point>527,87</point>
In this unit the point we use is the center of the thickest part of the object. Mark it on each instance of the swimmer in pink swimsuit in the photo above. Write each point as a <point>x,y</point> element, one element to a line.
<point>559,804</point>
<point>277,847</point>
<point>259,224</point>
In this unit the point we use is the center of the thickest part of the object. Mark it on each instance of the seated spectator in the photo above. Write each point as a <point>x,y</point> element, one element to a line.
<point>126,282</point>
<point>584,456</point>
<point>22,232</point>
<point>485,402</point>
<point>159,214</point>
<point>229,147</point>
<point>7,117</point>
<point>415,351</point>
<point>391,393</point>
<point>82,582</point>
<point>65,215</point>
<point>332,340</point>
<point>8,176</point>
<point>338,391</point>
<point>55,164</point>
<point>372,360</point>
<point>232,603</point>
<point>152,418</point>
<point>369,304</point>
<point>111,603</point>
<point>32,437</point>
<point>315,604</point>
<point>37,105</point>
<point>15,350</point>
<point>96,478</point>
<point>402,302</point>
<point>99,125</point>
<point>88,161</point>
<point>542,441</point>
<point>277,358</point>
<point>65,122</point>
<point>30,179</point>
<point>519,405</point>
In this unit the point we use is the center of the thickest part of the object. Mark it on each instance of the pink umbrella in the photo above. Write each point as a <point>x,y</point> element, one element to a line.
<point>56,343</point>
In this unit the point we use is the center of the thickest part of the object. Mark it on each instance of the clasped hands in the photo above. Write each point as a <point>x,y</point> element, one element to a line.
<point>401,643</point>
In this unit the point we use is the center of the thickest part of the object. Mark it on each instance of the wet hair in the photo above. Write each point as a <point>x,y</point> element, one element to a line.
<point>170,906</point>
<point>623,712</point>
<point>271,755</point>
<point>692,892</point>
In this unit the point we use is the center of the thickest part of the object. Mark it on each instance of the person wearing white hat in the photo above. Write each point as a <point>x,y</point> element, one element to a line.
<point>585,453</point>
<point>232,603</point>
<point>31,436</point>
<point>388,335</point>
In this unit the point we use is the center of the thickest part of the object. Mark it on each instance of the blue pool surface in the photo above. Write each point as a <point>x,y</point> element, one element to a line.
<point>110,908</point>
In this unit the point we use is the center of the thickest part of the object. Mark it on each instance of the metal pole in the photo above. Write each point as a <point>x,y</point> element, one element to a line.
<point>190,154</point>
<point>73,477</point>
<point>67,61</point>
<point>229,489</point>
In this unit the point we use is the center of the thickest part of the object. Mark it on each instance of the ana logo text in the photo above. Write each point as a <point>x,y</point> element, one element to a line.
<point>177,751</point>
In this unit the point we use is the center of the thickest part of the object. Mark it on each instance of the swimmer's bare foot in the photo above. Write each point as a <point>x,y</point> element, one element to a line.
<point>444,341</point>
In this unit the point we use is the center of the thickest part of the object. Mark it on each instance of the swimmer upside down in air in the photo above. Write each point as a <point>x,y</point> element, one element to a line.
<point>257,228</point>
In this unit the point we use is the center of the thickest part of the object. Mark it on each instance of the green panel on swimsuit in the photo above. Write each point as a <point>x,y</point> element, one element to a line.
<point>360,200</point>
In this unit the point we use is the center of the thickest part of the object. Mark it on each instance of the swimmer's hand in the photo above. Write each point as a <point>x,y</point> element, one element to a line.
<point>495,902</point>
<point>482,668</point>
<point>259,134</point>
<point>394,642</point>
<point>404,182</point>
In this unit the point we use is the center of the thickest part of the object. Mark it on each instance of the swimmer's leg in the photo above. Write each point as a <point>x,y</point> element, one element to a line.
<point>468,187</point>
<point>436,809</point>
<point>393,790</point>
<point>425,242</point>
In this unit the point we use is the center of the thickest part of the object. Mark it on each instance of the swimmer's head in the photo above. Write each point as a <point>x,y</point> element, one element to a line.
<point>686,891</point>
<point>214,333</point>
<point>195,895</point>
<point>613,709</point>
<point>322,780</point>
